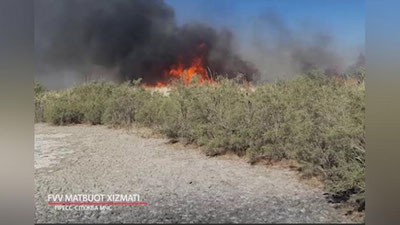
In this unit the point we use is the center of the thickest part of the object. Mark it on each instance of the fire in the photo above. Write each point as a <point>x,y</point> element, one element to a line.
<point>196,67</point>
<point>186,72</point>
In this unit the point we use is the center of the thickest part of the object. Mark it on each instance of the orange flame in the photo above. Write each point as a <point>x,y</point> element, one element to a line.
<point>179,71</point>
<point>186,73</point>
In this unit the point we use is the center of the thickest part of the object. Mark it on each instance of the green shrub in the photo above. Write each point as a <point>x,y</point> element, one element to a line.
<point>313,119</point>
<point>92,100</point>
<point>124,104</point>
<point>150,113</point>
<point>39,91</point>
<point>63,108</point>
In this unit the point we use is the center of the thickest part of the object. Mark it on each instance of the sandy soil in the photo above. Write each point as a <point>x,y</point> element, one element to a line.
<point>180,184</point>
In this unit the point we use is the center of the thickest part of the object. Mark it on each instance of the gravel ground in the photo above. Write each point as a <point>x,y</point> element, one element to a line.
<point>180,184</point>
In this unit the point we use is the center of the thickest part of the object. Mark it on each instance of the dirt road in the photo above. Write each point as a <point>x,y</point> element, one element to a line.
<point>179,184</point>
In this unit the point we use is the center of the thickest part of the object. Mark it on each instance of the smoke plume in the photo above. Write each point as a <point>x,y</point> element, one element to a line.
<point>126,40</point>
<point>279,50</point>
<point>77,40</point>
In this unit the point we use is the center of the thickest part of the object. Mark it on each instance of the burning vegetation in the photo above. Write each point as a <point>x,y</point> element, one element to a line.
<point>186,72</point>
<point>140,38</point>
<point>124,40</point>
<point>316,119</point>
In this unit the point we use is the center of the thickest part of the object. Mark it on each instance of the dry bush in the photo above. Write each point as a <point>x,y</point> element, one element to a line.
<point>39,91</point>
<point>313,119</point>
<point>123,105</point>
<point>83,103</point>
<point>92,100</point>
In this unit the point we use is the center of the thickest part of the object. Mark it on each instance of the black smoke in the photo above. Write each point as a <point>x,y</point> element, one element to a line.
<point>128,38</point>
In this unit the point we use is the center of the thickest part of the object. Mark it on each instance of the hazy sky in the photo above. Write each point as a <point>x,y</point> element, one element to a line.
<point>343,19</point>
<point>278,38</point>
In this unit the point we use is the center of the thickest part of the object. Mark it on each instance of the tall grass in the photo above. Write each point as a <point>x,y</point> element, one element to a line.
<point>315,120</point>
<point>39,91</point>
